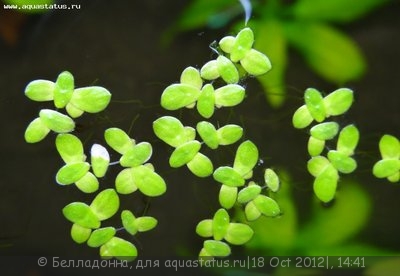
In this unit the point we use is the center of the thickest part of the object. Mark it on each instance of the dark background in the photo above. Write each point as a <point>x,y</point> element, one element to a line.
<point>117,45</point>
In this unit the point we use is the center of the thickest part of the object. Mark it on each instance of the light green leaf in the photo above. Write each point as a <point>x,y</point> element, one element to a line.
<point>91,99</point>
<point>136,155</point>
<point>148,181</point>
<point>36,131</point>
<point>325,131</point>
<point>217,248</point>
<point>118,140</point>
<point>124,183</point>
<point>220,224</point>
<point>226,43</point>
<point>204,228</point>
<point>63,89</point>
<point>56,121</point>
<point>170,130</point>
<point>238,233</point>
<point>100,160</point>
<point>229,95</point>
<point>120,248</point>
<point>325,184</point>
<point>227,196</point>
<point>389,147</point>
<point>210,70</point>
<point>330,53</point>
<point>71,172</point>
<point>315,146</point>
<point>189,134</point>
<point>206,101</point>
<point>242,45</point>
<point>249,193</point>
<point>348,140</point>
<point>70,148</point>
<point>81,214</point>
<point>271,179</point>
<point>40,90</point>
<point>101,236</point>
<point>302,117</point>
<point>246,158</point>
<point>184,153</point>
<point>191,76</point>
<point>128,221</point>
<point>315,104</point>
<point>256,63</point>
<point>394,177</point>
<point>73,111</point>
<point>105,204</point>
<point>338,102</point>
<point>200,165</point>
<point>179,95</point>
<point>251,211</point>
<point>88,183</point>
<point>386,168</point>
<point>317,165</point>
<point>342,162</point>
<point>208,134</point>
<point>144,224</point>
<point>229,134</point>
<point>228,176</point>
<point>80,234</point>
<point>267,206</point>
<point>227,70</point>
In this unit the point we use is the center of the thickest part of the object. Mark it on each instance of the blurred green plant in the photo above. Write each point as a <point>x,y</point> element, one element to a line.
<point>306,25</point>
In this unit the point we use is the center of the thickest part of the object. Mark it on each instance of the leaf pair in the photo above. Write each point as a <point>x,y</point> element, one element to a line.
<point>389,166</point>
<point>226,135</point>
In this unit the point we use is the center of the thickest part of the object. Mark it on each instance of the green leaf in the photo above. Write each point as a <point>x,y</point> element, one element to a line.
<point>325,131</point>
<point>179,95</point>
<point>209,71</point>
<point>242,45</point>
<point>251,211</point>
<point>228,176</point>
<point>200,165</point>
<point>118,140</point>
<point>271,179</point>
<point>238,233</point>
<point>100,160</point>
<point>267,206</point>
<point>229,134</point>
<point>81,214</point>
<point>91,99</point>
<point>342,162</point>
<point>128,221</point>
<point>338,102</point>
<point>71,172</point>
<point>73,111</point>
<point>315,146</point>
<point>144,224</point>
<point>386,168</point>
<point>389,147</point>
<point>105,204</point>
<point>348,140</point>
<point>208,134</point>
<point>220,224</point>
<point>226,43</point>
<point>80,234</point>
<point>56,121</point>
<point>302,117</point>
<point>136,155</point>
<point>317,165</point>
<point>394,177</point>
<point>325,184</point>
<point>227,70</point>
<point>227,196</point>
<point>36,131</point>
<point>70,148</point>
<point>189,134</point>
<point>229,95</point>
<point>120,248</point>
<point>148,181</point>
<point>330,53</point>
<point>217,248</point>
<point>170,130</point>
<point>249,193</point>
<point>315,104</point>
<point>256,63</point>
<point>124,183</point>
<point>88,183</point>
<point>184,153</point>
<point>191,76</point>
<point>246,158</point>
<point>63,89</point>
<point>204,228</point>
<point>40,90</point>
<point>206,101</point>
<point>101,236</point>
<point>334,10</point>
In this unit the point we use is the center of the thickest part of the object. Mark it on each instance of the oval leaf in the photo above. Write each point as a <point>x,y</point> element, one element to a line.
<point>389,147</point>
<point>227,196</point>
<point>144,224</point>
<point>81,214</point>
<point>100,160</point>
<point>238,233</point>
<point>251,211</point>
<point>217,248</point>
<point>342,162</point>
<point>315,146</point>
<point>191,76</point>
<point>315,104</point>
<point>105,204</point>
<point>72,172</point>
<point>386,167</point>
<point>40,90</point>
<point>204,228</point>
<point>101,236</point>
<point>118,140</point>
<point>229,134</point>
<point>70,148</point>
<point>220,224</point>
<point>242,44</point>
<point>246,158</point>
<point>208,134</point>
<point>124,183</point>
<point>63,89</point>
<point>210,71</point>
<point>88,183</point>
<point>325,184</point>
<point>136,155</point>
<point>120,248</point>
<point>36,131</point>
<point>325,131</point>
<point>302,117</point>
<point>80,234</point>
<point>170,130</point>
<point>249,193</point>
<point>338,102</point>
<point>348,140</point>
<point>227,70</point>
<point>267,206</point>
<point>184,154</point>
<point>256,63</point>
<point>271,179</point>
<point>91,99</point>
<point>206,101</point>
<point>148,182</point>
<point>56,121</point>
<point>179,95</point>
<point>229,95</point>
<point>128,221</point>
<point>200,165</point>
<point>228,176</point>
<point>317,165</point>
